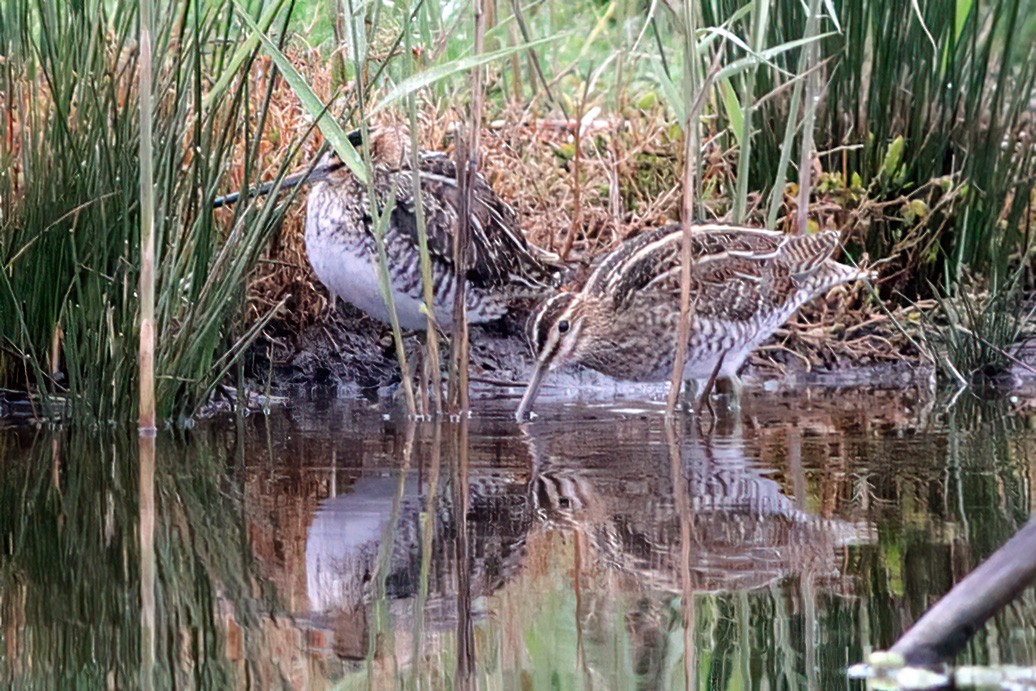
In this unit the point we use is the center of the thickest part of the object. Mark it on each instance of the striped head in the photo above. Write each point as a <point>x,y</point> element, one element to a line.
<point>389,149</point>
<point>390,146</point>
<point>331,167</point>
<point>554,331</point>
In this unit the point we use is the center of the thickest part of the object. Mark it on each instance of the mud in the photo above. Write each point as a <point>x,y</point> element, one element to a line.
<point>349,355</point>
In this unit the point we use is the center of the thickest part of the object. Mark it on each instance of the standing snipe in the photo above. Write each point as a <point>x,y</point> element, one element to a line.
<point>745,283</point>
<point>501,265</point>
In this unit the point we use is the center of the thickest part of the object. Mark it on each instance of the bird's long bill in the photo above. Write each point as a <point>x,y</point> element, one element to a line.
<point>355,137</point>
<point>542,367</point>
<point>320,172</point>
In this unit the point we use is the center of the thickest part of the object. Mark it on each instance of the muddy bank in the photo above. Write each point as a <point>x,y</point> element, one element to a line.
<point>348,354</point>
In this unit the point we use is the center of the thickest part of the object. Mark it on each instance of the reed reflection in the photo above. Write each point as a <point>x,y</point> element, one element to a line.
<point>146,530</point>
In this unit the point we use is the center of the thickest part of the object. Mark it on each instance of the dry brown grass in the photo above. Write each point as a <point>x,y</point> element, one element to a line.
<point>628,181</point>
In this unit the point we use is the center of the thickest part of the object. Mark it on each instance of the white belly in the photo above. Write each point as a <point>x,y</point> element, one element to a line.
<point>354,278</point>
<point>734,351</point>
<point>347,268</point>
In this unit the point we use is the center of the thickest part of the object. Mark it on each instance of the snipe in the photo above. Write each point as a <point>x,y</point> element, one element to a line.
<point>745,283</point>
<point>501,266</point>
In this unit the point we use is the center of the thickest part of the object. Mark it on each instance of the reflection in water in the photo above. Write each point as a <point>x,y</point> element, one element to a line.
<point>328,546</point>
<point>343,540</point>
<point>745,531</point>
<point>146,444</point>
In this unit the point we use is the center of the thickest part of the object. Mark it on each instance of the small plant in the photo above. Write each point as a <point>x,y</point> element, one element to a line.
<point>973,342</point>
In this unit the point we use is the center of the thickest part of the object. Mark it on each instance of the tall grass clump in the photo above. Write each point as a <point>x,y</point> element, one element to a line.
<point>973,338</point>
<point>919,113</point>
<point>924,128</point>
<point>70,199</point>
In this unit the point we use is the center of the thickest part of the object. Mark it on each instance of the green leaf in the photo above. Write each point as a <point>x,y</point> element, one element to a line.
<point>893,157</point>
<point>833,15</point>
<point>727,34</point>
<point>919,208</point>
<point>669,91</point>
<point>765,57</point>
<point>731,104</point>
<point>332,131</point>
<point>647,100</point>
<point>963,11</point>
<point>710,34</point>
<point>233,68</point>
<point>434,74</point>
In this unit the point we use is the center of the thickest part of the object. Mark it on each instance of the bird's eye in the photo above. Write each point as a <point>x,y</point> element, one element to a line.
<point>562,326</point>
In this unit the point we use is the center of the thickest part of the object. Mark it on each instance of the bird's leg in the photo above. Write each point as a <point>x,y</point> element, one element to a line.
<point>331,307</point>
<point>734,400</point>
<point>690,393</point>
<point>421,367</point>
<point>327,315</point>
<point>707,390</point>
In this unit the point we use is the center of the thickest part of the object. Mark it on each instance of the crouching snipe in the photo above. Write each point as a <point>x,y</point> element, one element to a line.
<point>500,265</point>
<point>745,283</point>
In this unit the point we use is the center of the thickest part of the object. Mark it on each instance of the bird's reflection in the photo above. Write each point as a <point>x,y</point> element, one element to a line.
<point>653,513</point>
<point>373,534</point>
<point>343,541</point>
<point>622,494</point>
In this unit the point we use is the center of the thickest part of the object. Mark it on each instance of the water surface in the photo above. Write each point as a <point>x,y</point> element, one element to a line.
<point>329,545</point>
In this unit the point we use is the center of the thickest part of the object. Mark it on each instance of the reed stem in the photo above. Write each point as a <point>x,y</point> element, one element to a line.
<point>692,90</point>
<point>467,164</point>
<point>379,217</point>
<point>427,282</point>
<point>809,59</point>
<point>760,19</point>
<point>777,193</point>
<point>146,353</point>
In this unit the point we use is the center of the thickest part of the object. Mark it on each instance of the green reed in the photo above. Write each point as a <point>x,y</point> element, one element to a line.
<point>948,85</point>
<point>76,565</point>
<point>433,365</point>
<point>972,337</point>
<point>69,235</point>
<point>945,88</point>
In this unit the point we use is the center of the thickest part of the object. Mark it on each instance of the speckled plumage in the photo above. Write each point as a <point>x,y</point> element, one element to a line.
<point>745,283</point>
<point>501,267</point>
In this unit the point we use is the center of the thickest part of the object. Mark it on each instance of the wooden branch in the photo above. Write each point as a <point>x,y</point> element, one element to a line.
<point>946,628</point>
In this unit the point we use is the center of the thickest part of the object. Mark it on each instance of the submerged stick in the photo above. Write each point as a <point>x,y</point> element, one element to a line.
<point>946,628</point>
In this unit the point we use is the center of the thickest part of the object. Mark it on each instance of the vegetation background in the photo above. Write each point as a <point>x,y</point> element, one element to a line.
<point>907,125</point>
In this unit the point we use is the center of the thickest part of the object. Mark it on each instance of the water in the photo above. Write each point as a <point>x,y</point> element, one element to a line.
<point>328,546</point>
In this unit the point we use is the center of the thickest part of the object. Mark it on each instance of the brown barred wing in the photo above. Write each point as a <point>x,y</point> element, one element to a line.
<point>497,253</point>
<point>737,274</point>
